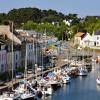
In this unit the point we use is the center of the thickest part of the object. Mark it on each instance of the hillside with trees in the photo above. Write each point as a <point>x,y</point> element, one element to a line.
<point>52,21</point>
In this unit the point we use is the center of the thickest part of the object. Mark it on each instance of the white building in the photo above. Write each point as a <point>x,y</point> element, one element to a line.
<point>96,37</point>
<point>84,40</point>
<point>67,22</point>
<point>87,41</point>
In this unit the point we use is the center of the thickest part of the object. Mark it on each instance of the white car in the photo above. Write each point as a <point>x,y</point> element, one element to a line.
<point>19,75</point>
<point>29,71</point>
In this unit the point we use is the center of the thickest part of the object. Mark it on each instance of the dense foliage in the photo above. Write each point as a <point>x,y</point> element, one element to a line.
<point>52,21</point>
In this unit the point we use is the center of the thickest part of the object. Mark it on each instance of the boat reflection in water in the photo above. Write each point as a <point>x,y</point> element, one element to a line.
<point>98,88</point>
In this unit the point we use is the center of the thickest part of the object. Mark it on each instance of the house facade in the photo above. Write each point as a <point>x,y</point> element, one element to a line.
<point>96,37</point>
<point>3,59</point>
<point>27,44</point>
<point>6,50</point>
<point>87,41</point>
<point>78,38</point>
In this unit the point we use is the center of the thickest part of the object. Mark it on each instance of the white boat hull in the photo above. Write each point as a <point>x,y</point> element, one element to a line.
<point>66,79</point>
<point>98,81</point>
<point>82,74</point>
<point>5,98</point>
<point>47,92</point>
<point>26,96</point>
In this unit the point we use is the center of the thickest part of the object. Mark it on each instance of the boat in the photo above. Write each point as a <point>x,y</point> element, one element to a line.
<point>82,72</point>
<point>10,96</point>
<point>64,76</point>
<point>65,79</point>
<point>98,81</point>
<point>22,89</point>
<point>98,59</point>
<point>42,82</point>
<point>47,90</point>
<point>27,96</point>
<point>55,84</point>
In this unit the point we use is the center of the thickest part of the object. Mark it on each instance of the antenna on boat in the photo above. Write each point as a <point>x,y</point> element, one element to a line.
<point>42,58</point>
<point>12,53</point>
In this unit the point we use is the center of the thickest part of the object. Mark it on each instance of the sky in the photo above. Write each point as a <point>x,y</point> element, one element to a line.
<point>80,7</point>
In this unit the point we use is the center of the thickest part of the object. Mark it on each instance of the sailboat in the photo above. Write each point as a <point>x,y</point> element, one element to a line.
<point>46,88</point>
<point>82,69</point>
<point>22,89</point>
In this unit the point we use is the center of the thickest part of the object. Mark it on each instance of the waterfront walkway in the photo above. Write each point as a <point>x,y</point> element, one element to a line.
<point>7,85</point>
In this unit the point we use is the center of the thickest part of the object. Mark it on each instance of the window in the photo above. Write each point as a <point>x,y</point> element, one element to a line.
<point>2,67</point>
<point>97,42</point>
<point>97,38</point>
<point>2,57</point>
<point>16,65</point>
<point>29,54</point>
<point>16,56</point>
<point>31,46</point>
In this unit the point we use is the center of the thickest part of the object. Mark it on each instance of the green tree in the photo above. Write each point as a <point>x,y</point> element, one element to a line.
<point>3,17</point>
<point>30,25</point>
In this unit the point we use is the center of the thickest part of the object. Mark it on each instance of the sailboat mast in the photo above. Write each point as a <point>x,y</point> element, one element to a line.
<point>12,53</point>
<point>25,72</point>
<point>33,58</point>
<point>36,57</point>
<point>45,37</point>
<point>42,58</point>
<point>83,56</point>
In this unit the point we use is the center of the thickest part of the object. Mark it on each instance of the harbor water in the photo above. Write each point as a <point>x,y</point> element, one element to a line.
<point>80,88</point>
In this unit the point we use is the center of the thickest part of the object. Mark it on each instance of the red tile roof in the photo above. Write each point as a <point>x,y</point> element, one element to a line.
<point>79,34</point>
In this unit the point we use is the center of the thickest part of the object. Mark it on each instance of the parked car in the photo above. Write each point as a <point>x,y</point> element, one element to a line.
<point>29,71</point>
<point>19,75</point>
